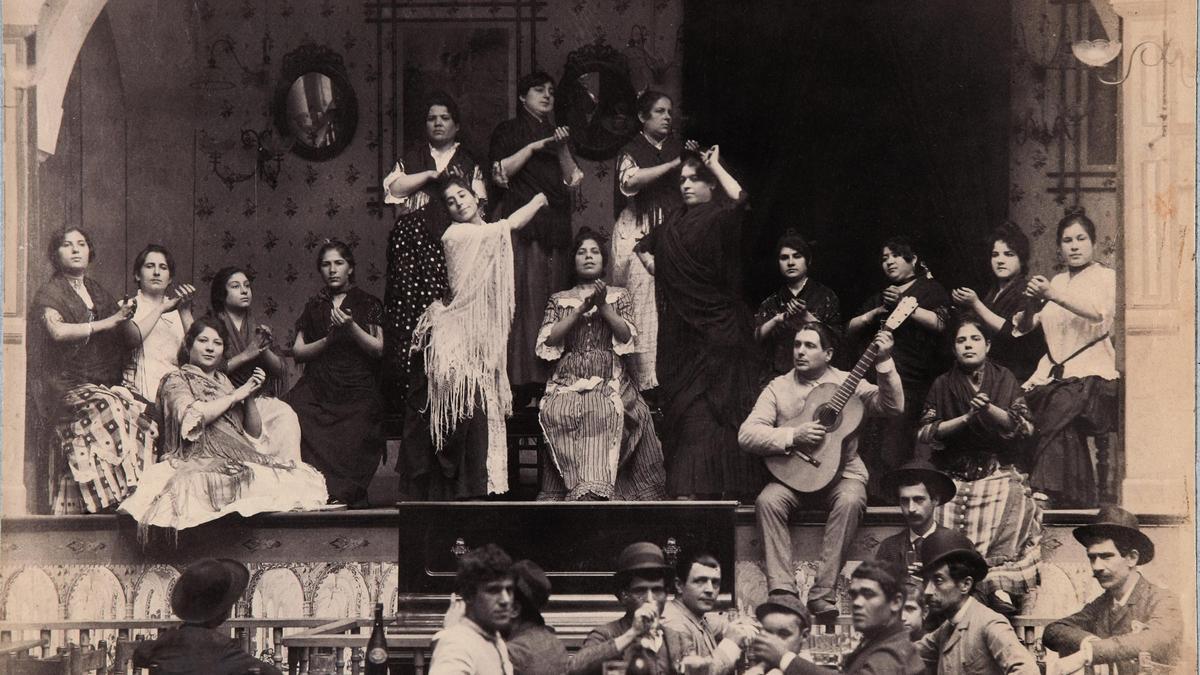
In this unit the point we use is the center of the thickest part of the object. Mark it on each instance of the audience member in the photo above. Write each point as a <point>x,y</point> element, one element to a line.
<point>1073,393</point>
<point>416,266</point>
<point>473,645</point>
<point>707,365</point>
<point>1008,252</point>
<point>338,401</point>
<point>156,329</point>
<point>876,596</point>
<point>532,645</point>
<point>101,439</point>
<point>801,300</point>
<point>764,433</point>
<point>920,489</point>
<point>641,586</point>
<point>784,617</point>
<point>529,156</point>
<point>599,435</point>
<point>647,190</point>
<point>971,637</point>
<point>219,455</point>
<point>913,613</point>
<point>465,340</point>
<point>203,598</point>
<point>975,422</point>
<point>1131,616</point>
<point>697,584</point>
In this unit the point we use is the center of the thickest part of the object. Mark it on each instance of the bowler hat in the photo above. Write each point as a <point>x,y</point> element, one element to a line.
<point>1114,522</point>
<point>208,588</point>
<point>941,487</point>
<point>642,556</point>
<point>532,584</point>
<point>783,602</point>
<point>947,546</point>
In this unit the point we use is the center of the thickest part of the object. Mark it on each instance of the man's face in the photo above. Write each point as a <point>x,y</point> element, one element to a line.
<point>808,355</point>
<point>492,605</point>
<point>871,609</point>
<point>912,613</point>
<point>639,591</point>
<point>917,507</point>
<point>1109,567</point>
<point>787,627</point>
<point>699,592</point>
<point>944,595</point>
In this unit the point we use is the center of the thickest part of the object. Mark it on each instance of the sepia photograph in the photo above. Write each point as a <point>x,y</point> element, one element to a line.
<point>598,337</point>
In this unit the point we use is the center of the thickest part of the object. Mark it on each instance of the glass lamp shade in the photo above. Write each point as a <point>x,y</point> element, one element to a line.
<point>1096,53</point>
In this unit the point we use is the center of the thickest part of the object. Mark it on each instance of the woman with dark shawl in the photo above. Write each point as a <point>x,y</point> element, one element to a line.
<point>708,366</point>
<point>251,345</point>
<point>416,266</point>
<point>975,420</point>
<point>338,399</point>
<point>529,155</point>
<point>1009,256</point>
<point>101,438</point>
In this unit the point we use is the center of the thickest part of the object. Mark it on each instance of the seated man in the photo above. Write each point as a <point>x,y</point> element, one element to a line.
<point>920,489</point>
<point>784,617</point>
<point>697,583</point>
<point>877,596</point>
<point>1131,616</point>
<point>472,645</point>
<point>641,580</point>
<point>763,433</point>
<point>203,598</point>
<point>971,638</point>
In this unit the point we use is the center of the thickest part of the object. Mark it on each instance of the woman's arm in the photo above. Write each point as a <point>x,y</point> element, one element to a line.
<point>728,183</point>
<point>303,351</point>
<point>571,174</point>
<point>61,331</point>
<point>404,184</point>
<point>521,217</point>
<point>928,319</point>
<point>616,323</point>
<point>512,165</point>
<point>865,321</point>
<point>211,410</point>
<point>647,261</point>
<point>645,176</point>
<point>369,340</point>
<point>1085,308</point>
<point>967,297</point>
<point>251,420</point>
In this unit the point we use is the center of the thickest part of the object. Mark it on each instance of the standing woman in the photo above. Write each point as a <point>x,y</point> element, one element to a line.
<point>338,401</point>
<point>801,300</point>
<point>598,428</point>
<point>529,155</point>
<point>919,350</point>
<point>158,324</point>
<point>708,366</point>
<point>416,267</point>
<point>100,437</point>
<point>1009,259</point>
<point>1073,393</point>
<point>647,189</point>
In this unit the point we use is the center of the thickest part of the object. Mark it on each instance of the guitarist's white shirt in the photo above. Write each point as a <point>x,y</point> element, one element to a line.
<point>783,399</point>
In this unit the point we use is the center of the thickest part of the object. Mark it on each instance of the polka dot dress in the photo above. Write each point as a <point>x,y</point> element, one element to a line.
<point>416,276</point>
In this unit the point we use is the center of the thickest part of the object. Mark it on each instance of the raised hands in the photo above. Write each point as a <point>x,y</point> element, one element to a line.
<point>340,318</point>
<point>964,297</point>
<point>1038,288</point>
<point>180,298</point>
<point>561,134</point>
<point>252,385</point>
<point>891,295</point>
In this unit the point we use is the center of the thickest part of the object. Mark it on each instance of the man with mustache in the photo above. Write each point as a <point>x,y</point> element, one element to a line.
<point>1131,616</point>
<point>920,489</point>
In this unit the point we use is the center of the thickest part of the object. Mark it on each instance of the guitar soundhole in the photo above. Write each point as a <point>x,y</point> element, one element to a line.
<point>827,416</point>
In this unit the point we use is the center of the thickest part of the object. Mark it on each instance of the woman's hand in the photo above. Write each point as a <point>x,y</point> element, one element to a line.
<point>340,318</point>
<point>1038,288</point>
<point>795,307</point>
<point>979,402</point>
<point>691,146</point>
<point>891,295</point>
<point>712,157</point>
<point>252,385</point>
<point>253,350</point>
<point>561,134</point>
<point>600,294</point>
<point>125,310</point>
<point>265,337</point>
<point>589,301</point>
<point>964,297</point>
<point>181,298</point>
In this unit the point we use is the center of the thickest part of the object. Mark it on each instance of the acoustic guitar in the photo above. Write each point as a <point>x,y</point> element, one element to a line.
<point>839,411</point>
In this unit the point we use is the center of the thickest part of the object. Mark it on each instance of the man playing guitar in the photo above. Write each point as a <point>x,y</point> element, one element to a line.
<point>770,430</point>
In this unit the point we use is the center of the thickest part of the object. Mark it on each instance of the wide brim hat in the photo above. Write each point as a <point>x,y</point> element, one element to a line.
<point>783,602</point>
<point>1114,522</point>
<point>531,584</point>
<point>208,588</point>
<point>941,486</point>
<point>642,556</point>
<point>947,546</point>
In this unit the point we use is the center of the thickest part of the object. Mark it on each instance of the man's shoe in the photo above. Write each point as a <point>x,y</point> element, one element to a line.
<point>823,611</point>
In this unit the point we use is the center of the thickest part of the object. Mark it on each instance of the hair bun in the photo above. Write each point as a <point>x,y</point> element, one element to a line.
<point>1076,210</point>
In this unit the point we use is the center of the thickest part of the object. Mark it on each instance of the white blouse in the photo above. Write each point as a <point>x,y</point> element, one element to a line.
<point>1095,288</point>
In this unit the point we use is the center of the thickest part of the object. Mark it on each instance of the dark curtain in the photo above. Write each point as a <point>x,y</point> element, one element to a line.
<point>854,121</point>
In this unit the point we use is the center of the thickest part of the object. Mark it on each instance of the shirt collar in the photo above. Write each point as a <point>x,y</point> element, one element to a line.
<point>912,536</point>
<point>435,153</point>
<point>961,614</point>
<point>1124,599</point>
<point>656,146</point>
<point>831,374</point>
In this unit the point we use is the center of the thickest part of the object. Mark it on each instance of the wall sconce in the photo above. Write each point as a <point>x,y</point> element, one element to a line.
<point>211,80</point>
<point>269,152</point>
<point>635,51</point>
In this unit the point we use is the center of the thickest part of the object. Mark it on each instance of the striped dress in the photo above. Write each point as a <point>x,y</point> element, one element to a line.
<point>600,438</point>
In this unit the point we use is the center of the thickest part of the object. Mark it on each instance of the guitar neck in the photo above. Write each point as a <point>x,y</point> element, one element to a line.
<point>846,389</point>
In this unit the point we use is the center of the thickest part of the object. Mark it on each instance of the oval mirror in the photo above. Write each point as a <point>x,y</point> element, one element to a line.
<point>597,101</point>
<point>315,104</point>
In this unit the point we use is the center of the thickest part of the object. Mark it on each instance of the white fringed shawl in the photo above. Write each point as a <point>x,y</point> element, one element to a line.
<point>466,341</point>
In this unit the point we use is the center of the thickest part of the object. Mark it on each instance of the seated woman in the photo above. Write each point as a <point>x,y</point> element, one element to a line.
<point>339,340</point>
<point>219,455</point>
<point>158,324</point>
<point>1073,393</point>
<point>975,420</point>
<point>1009,255</point>
<point>600,438</point>
<point>708,365</point>
<point>100,437</point>
<point>800,300</point>
<point>465,340</point>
